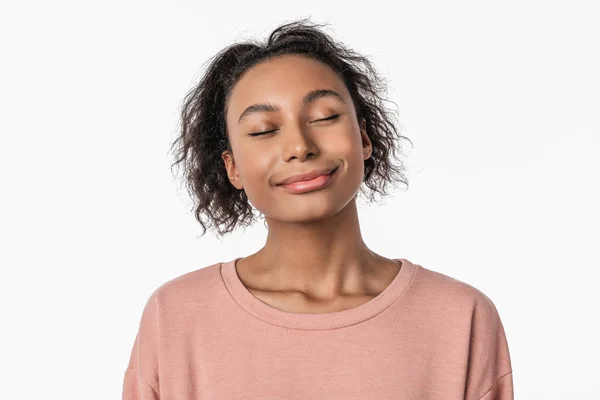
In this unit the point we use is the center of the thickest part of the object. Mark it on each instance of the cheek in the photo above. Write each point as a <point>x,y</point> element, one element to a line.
<point>255,171</point>
<point>351,150</point>
<point>346,143</point>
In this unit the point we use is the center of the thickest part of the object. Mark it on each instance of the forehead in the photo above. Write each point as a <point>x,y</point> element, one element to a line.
<point>283,80</point>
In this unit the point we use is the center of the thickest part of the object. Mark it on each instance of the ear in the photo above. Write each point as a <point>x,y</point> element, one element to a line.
<point>366,142</point>
<point>232,171</point>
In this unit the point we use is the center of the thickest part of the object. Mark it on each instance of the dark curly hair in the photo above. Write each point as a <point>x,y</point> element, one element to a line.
<point>204,135</point>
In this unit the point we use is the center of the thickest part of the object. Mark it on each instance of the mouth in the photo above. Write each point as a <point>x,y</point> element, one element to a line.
<point>316,183</point>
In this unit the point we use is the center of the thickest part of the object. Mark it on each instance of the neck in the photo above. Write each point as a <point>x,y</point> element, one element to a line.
<point>325,257</point>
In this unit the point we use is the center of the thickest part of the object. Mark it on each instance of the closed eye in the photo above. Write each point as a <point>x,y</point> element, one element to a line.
<point>261,133</point>
<point>335,116</point>
<point>328,118</point>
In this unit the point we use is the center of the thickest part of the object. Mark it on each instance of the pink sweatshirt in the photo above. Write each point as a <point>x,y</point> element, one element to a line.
<point>203,336</point>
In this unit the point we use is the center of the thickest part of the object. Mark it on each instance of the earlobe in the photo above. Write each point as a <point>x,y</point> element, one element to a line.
<point>367,144</point>
<point>234,178</point>
<point>230,168</point>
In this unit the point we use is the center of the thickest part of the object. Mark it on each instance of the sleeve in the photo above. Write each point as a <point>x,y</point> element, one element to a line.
<point>489,371</point>
<point>140,380</point>
<point>502,389</point>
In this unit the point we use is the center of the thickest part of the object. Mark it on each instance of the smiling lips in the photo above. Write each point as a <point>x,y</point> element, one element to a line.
<point>307,176</point>
<point>312,180</point>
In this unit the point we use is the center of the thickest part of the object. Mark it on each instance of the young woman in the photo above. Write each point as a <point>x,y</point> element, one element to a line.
<point>295,127</point>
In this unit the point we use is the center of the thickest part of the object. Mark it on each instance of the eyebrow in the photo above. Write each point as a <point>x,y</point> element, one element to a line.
<point>308,98</point>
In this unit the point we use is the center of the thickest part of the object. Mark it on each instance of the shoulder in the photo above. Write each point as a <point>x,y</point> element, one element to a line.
<point>192,288</point>
<point>456,309</point>
<point>466,316</point>
<point>445,292</point>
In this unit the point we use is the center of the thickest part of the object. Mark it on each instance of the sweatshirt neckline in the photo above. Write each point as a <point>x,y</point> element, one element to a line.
<point>319,321</point>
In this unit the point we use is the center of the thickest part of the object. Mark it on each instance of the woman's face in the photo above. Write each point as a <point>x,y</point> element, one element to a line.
<point>300,137</point>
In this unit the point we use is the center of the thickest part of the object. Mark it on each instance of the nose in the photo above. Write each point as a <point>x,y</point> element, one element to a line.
<point>297,142</point>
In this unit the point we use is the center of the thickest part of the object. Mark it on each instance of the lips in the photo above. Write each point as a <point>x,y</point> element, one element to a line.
<point>307,176</point>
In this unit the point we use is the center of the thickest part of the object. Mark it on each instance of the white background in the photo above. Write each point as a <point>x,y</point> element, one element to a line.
<point>501,101</point>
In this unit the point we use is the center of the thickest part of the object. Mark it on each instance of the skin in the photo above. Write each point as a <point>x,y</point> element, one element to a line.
<point>314,259</point>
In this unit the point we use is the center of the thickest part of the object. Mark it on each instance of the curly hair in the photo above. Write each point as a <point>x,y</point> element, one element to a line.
<point>204,137</point>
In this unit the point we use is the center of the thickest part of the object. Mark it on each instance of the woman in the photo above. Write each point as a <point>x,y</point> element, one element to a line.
<point>294,127</point>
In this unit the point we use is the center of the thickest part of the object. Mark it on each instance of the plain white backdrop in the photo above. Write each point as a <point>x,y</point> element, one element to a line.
<point>501,101</point>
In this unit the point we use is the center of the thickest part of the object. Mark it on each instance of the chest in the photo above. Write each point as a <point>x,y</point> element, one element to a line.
<point>315,365</point>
